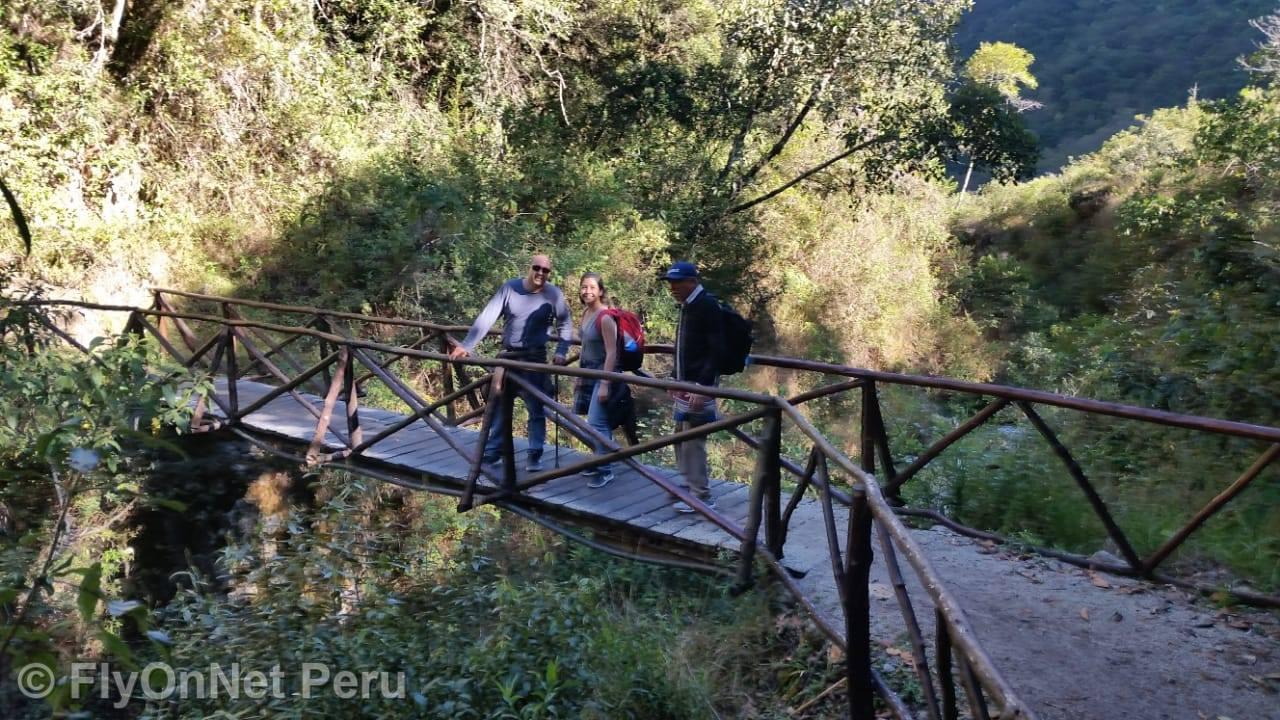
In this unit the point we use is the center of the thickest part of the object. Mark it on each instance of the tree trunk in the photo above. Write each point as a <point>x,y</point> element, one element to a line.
<point>136,26</point>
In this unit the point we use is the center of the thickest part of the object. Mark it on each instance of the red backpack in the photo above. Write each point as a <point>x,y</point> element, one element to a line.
<point>630,337</point>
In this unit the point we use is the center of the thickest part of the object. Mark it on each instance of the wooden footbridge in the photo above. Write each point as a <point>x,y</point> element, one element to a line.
<point>298,381</point>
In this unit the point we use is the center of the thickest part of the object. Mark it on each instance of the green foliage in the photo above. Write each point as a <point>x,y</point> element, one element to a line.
<point>1003,66</point>
<point>487,619</point>
<point>861,285</point>
<point>997,293</point>
<point>404,158</point>
<point>988,131</point>
<point>985,127</point>
<point>53,401</point>
<point>71,426</point>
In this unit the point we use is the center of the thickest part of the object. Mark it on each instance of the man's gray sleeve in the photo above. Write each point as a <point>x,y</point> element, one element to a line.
<point>486,319</point>
<point>566,326</point>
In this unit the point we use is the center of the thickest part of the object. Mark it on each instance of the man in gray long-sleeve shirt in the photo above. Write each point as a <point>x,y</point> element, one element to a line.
<point>530,307</point>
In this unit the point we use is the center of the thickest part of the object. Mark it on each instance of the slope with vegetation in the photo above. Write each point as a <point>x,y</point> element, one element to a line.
<point>1101,63</point>
<point>1148,273</point>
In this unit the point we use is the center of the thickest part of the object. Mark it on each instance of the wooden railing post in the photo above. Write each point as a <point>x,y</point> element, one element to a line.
<point>132,326</point>
<point>942,653</point>
<point>486,427</point>
<point>857,609</point>
<point>355,435</point>
<point>321,323</point>
<point>880,437</point>
<point>755,510</point>
<point>868,437</point>
<point>769,472</point>
<point>508,400</point>
<point>340,381</point>
<point>764,500</point>
<point>162,322</point>
<point>857,574</point>
<point>447,370</point>
<point>233,396</point>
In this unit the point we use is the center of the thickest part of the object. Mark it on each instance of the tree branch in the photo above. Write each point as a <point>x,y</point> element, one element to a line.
<point>809,173</point>
<point>781,143</point>
<point>18,218</point>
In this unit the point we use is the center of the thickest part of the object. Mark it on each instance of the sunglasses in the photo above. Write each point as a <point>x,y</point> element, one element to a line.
<point>540,269</point>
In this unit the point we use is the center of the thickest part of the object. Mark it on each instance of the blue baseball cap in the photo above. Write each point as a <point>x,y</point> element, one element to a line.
<point>682,270</point>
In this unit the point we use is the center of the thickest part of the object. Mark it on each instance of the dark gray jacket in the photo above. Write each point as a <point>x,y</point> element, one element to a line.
<point>699,340</point>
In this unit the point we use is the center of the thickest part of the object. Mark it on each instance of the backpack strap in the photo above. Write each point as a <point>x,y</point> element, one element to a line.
<point>606,312</point>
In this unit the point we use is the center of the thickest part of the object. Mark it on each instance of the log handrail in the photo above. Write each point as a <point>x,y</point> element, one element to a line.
<point>1012,394</point>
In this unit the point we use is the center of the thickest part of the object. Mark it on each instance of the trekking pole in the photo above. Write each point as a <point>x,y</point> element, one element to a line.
<point>556,380</point>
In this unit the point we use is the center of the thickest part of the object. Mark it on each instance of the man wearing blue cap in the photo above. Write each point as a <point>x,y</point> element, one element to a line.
<point>699,344</point>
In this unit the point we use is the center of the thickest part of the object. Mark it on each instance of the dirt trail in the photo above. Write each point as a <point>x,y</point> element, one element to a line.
<point>1080,646</point>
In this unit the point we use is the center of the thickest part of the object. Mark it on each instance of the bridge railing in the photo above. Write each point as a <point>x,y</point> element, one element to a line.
<point>876,445</point>
<point>441,337</point>
<point>765,532</point>
<point>232,345</point>
<point>344,362</point>
<point>398,332</point>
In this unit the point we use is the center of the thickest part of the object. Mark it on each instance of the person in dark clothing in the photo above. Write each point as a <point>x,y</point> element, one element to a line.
<point>530,308</point>
<point>699,343</point>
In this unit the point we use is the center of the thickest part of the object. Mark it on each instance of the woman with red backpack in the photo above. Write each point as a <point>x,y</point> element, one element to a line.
<point>606,404</point>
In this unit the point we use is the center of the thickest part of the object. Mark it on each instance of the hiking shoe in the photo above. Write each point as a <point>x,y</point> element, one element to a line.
<point>491,459</point>
<point>600,479</point>
<point>535,463</point>
<point>685,508</point>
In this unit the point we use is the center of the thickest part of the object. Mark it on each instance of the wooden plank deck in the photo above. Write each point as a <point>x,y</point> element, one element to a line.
<point>631,503</point>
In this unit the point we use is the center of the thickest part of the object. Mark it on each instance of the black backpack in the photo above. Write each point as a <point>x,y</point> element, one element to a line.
<point>737,340</point>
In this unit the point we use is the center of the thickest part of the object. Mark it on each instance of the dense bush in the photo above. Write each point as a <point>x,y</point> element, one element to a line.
<point>75,429</point>
<point>488,617</point>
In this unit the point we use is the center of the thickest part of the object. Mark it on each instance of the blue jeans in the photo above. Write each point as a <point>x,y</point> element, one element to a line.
<point>598,419</point>
<point>537,415</point>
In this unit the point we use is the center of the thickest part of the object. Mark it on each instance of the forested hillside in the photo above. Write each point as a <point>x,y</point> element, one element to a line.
<point>404,157</point>
<point>1100,63</point>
